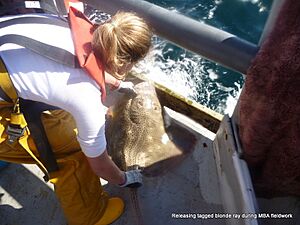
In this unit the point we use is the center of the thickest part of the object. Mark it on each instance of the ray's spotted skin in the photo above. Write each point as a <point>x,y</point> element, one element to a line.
<point>136,134</point>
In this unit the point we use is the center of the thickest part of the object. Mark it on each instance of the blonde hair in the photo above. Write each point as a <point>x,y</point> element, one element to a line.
<point>124,39</point>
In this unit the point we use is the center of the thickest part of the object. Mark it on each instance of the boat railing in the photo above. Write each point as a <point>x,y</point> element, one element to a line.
<point>212,43</point>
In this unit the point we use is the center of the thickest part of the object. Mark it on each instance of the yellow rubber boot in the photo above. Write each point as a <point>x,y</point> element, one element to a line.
<point>114,209</point>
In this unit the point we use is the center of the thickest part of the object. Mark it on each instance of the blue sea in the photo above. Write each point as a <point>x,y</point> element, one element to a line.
<point>191,75</point>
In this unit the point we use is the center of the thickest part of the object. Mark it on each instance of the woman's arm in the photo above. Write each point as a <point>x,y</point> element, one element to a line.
<point>105,168</point>
<point>113,82</point>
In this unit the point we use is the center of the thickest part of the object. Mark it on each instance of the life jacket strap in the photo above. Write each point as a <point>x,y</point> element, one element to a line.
<point>54,53</point>
<point>51,52</point>
<point>33,20</point>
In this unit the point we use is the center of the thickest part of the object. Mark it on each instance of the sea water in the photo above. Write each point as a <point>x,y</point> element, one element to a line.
<point>190,74</point>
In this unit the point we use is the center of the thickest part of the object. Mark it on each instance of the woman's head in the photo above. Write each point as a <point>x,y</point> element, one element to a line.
<point>121,42</point>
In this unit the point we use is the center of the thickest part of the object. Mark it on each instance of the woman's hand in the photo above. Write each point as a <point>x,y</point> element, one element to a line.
<point>105,168</point>
<point>134,179</point>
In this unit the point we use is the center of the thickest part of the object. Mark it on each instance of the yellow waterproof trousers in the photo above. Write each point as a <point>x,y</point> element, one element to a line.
<point>77,187</point>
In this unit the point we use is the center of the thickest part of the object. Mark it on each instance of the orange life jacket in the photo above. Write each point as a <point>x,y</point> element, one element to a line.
<point>82,33</point>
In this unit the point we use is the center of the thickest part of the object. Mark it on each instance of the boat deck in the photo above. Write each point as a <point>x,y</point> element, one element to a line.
<point>191,190</point>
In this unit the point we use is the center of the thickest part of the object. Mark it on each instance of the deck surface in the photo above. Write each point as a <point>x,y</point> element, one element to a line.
<point>191,188</point>
<point>27,200</point>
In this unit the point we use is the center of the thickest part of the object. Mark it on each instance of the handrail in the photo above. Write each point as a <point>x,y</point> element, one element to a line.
<point>207,41</point>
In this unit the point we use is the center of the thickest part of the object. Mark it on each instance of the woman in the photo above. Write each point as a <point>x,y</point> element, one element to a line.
<point>76,133</point>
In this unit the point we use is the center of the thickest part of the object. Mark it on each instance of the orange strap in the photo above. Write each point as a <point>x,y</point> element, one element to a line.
<point>82,33</point>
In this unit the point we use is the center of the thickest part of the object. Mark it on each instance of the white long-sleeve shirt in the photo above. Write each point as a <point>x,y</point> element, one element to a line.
<point>40,79</point>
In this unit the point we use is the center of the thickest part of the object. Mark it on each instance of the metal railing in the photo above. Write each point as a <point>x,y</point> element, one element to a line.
<point>207,41</point>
